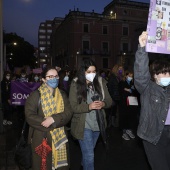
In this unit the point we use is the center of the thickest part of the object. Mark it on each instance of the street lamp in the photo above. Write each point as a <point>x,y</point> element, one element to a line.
<point>77,53</point>
<point>5,55</point>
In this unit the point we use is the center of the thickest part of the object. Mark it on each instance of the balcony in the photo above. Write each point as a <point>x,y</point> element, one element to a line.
<point>94,52</point>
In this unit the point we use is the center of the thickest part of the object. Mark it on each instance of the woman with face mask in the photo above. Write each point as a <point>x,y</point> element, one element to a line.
<point>153,84</point>
<point>84,125</point>
<point>64,82</point>
<point>36,78</point>
<point>115,76</point>
<point>128,113</point>
<point>50,117</point>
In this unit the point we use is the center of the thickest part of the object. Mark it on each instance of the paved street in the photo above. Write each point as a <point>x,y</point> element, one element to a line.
<point>121,155</point>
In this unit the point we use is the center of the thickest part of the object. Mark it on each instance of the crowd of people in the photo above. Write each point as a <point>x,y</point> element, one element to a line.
<point>91,100</point>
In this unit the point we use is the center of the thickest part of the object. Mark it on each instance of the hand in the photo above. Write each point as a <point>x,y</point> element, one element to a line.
<point>47,122</point>
<point>96,105</point>
<point>9,101</point>
<point>143,38</point>
<point>126,89</point>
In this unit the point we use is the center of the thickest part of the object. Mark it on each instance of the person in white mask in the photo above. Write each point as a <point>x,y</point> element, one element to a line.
<point>84,124</point>
<point>153,84</point>
<point>128,113</point>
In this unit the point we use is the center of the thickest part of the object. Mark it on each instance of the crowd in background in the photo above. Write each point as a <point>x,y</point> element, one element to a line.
<point>119,84</point>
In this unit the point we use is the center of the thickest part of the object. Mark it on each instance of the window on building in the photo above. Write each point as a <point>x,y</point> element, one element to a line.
<point>42,25</point>
<point>48,25</point>
<point>42,60</point>
<point>86,47</point>
<point>125,30</point>
<point>105,30</point>
<point>125,47</point>
<point>105,62</point>
<point>49,31</point>
<point>48,42</point>
<point>86,28</point>
<point>42,42</point>
<point>48,37</point>
<point>105,47</point>
<point>42,30</point>
<point>42,36</point>
<point>42,55</point>
<point>42,48</point>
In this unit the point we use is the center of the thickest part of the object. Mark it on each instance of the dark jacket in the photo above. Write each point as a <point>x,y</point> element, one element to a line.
<point>80,110</point>
<point>153,98</point>
<point>5,90</point>
<point>124,94</point>
<point>113,87</point>
<point>34,119</point>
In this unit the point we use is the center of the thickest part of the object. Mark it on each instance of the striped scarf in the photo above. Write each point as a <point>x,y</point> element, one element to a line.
<point>55,105</point>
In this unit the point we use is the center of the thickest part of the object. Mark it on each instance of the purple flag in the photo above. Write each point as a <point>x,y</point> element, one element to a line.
<point>158,27</point>
<point>20,91</point>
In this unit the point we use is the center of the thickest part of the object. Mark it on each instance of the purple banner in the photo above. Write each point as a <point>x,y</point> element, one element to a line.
<point>158,27</point>
<point>20,91</point>
<point>37,70</point>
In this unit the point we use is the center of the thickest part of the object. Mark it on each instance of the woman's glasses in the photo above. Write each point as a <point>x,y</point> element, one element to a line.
<point>51,76</point>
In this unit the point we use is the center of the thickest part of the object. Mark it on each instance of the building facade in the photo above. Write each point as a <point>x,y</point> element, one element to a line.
<point>108,38</point>
<point>44,40</point>
<point>130,20</point>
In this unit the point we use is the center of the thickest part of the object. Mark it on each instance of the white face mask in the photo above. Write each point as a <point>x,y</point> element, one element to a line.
<point>66,78</point>
<point>90,76</point>
<point>129,78</point>
<point>7,77</point>
<point>164,81</point>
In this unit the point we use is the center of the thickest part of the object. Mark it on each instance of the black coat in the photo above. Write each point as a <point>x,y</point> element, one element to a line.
<point>124,94</point>
<point>5,90</point>
<point>128,114</point>
<point>113,87</point>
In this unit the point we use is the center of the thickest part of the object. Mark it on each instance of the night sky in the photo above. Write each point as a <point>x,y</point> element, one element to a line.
<point>24,16</point>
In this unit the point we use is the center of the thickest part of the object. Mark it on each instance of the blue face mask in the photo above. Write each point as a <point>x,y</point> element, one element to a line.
<point>129,78</point>
<point>36,78</point>
<point>53,82</point>
<point>164,81</point>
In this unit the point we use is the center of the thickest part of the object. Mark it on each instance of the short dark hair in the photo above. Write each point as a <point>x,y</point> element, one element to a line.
<point>46,69</point>
<point>160,66</point>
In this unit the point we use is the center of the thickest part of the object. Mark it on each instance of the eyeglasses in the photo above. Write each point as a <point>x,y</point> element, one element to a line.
<point>51,76</point>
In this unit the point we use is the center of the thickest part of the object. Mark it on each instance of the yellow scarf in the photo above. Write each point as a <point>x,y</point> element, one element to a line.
<point>55,105</point>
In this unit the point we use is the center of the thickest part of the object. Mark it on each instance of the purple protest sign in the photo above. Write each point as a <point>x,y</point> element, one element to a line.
<point>158,27</point>
<point>20,91</point>
<point>37,70</point>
